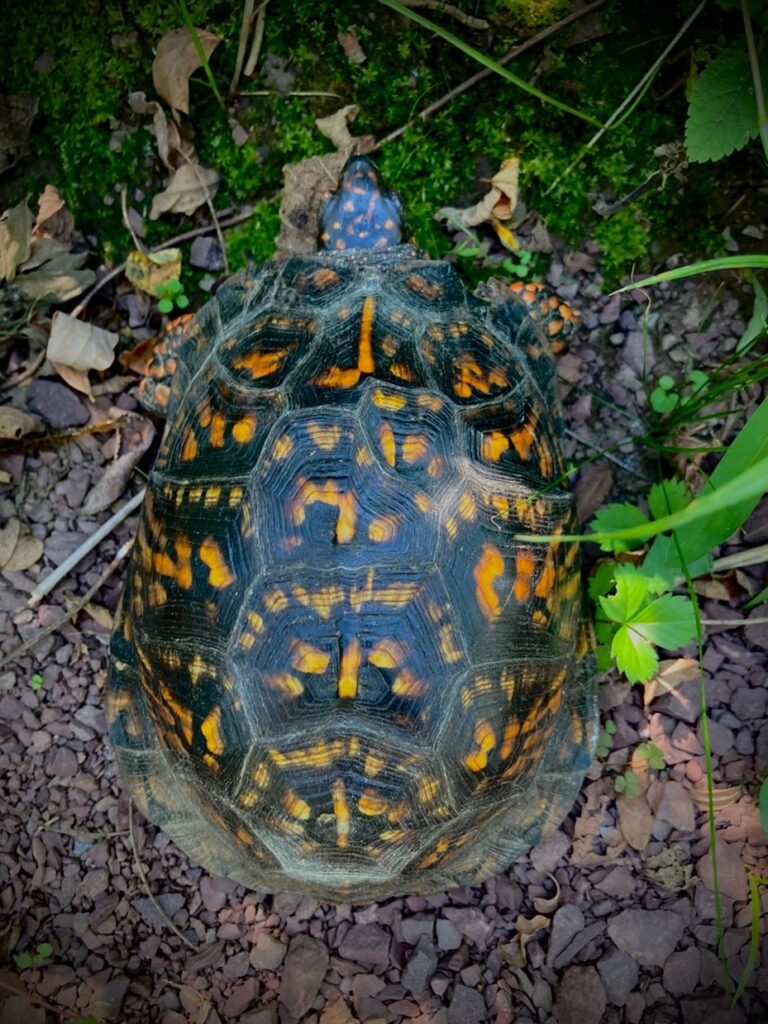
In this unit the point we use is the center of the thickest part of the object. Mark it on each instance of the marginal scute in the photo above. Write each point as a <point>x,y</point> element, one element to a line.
<point>336,668</point>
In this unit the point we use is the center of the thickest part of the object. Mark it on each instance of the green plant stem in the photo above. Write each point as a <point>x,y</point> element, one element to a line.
<point>744,262</point>
<point>201,54</point>
<point>762,117</point>
<point>754,936</point>
<point>488,62</point>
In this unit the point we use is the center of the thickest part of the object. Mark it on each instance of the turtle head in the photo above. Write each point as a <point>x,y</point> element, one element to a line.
<point>359,215</point>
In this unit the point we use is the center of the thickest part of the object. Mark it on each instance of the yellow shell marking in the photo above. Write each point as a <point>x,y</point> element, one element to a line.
<point>386,654</point>
<point>489,567</point>
<point>371,803</point>
<point>383,528</point>
<point>407,685</point>
<point>181,570</point>
<point>211,730</point>
<point>295,806</point>
<point>325,436</point>
<point>390,401</point>
<point>244,429</point>
<point>373,765</point>
<point>486,741</point>
<point>525,566</point>
<point>350,666</point>
<point>307,658</point>
<point>285,684</point>
<point>260,364</point>
<point>387,441</point>
<point>219,575</point>
<point>415,447</point>
<point>341,812</point>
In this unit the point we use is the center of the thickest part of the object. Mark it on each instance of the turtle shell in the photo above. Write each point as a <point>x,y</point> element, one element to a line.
<point>337,668</point>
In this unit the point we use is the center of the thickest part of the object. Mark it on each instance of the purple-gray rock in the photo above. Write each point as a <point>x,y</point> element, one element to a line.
<point>580,997</point>
<point>650,936</point>
<point>466,1005</point>
<point>749,702</point>
<point>57,404</point>
<point>681,972</point>
<point>620,974</point>
<point>305,967</point>
<point>567,922</point>
<point>366,944</point>
<point>421,965</point>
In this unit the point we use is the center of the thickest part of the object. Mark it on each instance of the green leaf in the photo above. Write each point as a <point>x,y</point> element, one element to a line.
<point>668,622</point>
<point>23,961</point>
<point>617,517</point>
<point>666,382</point>
<point>758,322</point>
<point>632,594</point>
<point>634,656</point>
<point>722,115</point>
<point>36,682</point>
<point>763,804</point>
<point>667,496</point>
<point>182,301</point>
<point>602,579</point>
<point>718,263</point>
<point>662,401</point>
<point>698,380</point>
<point>619,783</point>
<point>632,784</point>
<point>165,305</point>
<point>610,727</point>
<point>757,599</point>
<point>747,450</point>
<point>44,949</point>
<point>662,561</point>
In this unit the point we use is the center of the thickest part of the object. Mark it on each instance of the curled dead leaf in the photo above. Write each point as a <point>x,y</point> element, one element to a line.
<point>720,798</point>
<point>672,673</point>
<point>15,239</point>
<point>350,44</point>
<point>545,905</point>
<point>58,280</point>
<point>498,203</point>
<point>175,60</point>
<point>336,128</point>
<point>54,220</point>
<point>149,270</point>
<point>100,615</point>
<point>19,549</point>
<point>527,928</point>
<point>80,345</point>
<point>15,423</point>
<point>189,187</point>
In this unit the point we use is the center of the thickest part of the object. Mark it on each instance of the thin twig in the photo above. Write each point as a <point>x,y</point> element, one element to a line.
<point>88,545</point>
<point>487,72</point>
<point>734,622</point>
<point>24,992</point>
<point>245,31</point>
<point>258,39</point>
<point>293,92</point>
<point>751,556</point>
<point>183,237</point>
<point>77,606</point>
<point>147,890</point>
<point>478,24</point>
<point>126,220</point>
<point>209,203</point>
<point>30,371</point>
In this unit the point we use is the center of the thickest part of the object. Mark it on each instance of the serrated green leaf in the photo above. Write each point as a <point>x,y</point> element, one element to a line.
<point>601,580</point>
<point>617,517</point>
<point>763,804</point>
<point>722,115</point>
<point>635,657</point>
<point>667,496</point>
<point>654,584</point>
<point>668,622</point>
<point>632,594</point>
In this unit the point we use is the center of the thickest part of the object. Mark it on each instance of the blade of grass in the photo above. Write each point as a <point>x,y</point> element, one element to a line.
<point>702,267</point>
<point>487,62</point>
<point>753,481</point>
<point>201,54</point>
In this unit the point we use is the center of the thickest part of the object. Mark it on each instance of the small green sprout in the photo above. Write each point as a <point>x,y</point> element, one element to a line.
<point>663,398</point>
<point>43,953</point>
<point>521,266</point>
<point>36,682</point>
<point>628,784</point>
<point>652,755</point>
<point>605,739</point>
<point>170,294</point>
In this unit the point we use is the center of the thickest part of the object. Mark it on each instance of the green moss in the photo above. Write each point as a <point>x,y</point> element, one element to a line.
<point>104,51</point>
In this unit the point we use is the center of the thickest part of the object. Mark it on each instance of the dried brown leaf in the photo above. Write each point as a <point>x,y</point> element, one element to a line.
<point>28,551</point>
<point>54,220</point>
<point>15,239</point>
<point>112,483</point>
<point>672,673</point>
<point>635,820</point>
<point>80,345</point>
<point>175,60</point>
<point>721,797</point>
<point>15,423</point>
<point>190,186</point>
<point>336,128</point>
<point>58,280</point>
<point>77,379</point>
<point>546,905</point>
<point>527,928</point>
<point>148,271</point>
<point>350,44</point>
<point>9,535</point>
<point>499,202</point>
<point>100,615</point>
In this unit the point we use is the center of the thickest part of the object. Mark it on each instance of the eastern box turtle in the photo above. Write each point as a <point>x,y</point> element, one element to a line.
<point>336,670</point>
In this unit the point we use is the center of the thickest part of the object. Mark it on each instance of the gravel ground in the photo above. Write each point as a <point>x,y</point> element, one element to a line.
<point>611,919</point>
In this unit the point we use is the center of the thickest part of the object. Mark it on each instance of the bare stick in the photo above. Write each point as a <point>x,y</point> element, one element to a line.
<point>81,602</point>
<point>245,31</point>
<point>88,545</point>
<point>147,890</point>
<point>258,38</point>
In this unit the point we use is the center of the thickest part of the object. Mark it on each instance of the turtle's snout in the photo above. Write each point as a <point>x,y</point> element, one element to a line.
<point>359,215</point>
